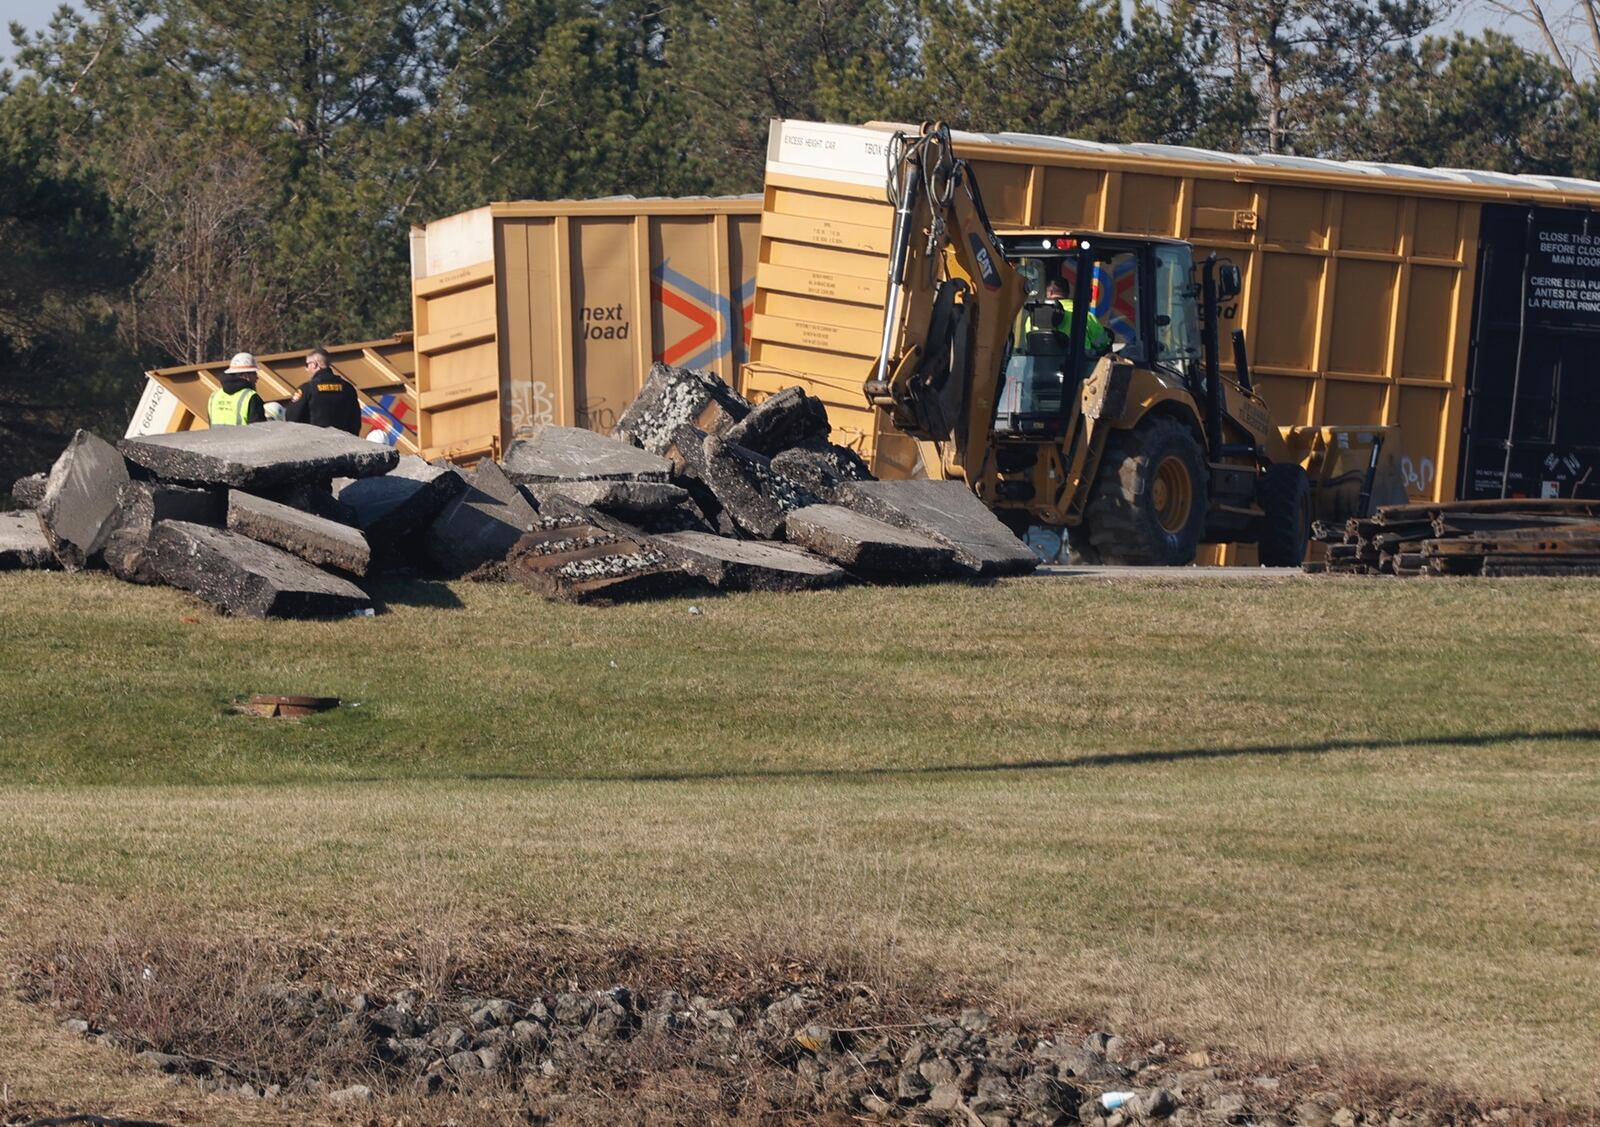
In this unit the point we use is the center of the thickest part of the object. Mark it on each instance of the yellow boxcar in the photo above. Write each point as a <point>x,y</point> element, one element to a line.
<point>529,313</point>
<point>1374,294</point>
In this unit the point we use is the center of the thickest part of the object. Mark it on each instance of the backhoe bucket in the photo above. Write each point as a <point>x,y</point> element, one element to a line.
<point>1353,469</point>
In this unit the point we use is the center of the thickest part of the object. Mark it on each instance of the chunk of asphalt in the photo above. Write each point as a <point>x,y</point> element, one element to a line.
<point>946,511</point>
<point>868,546</point>
<point>552,453</point>
<point>142,504</point>
<point>741,565</point>
<point>259,457</point>
<point>481,524</point>
<point>674,397</point>
<point>624,498</point>
<point>314,539</point>
<point>79,507</point>
<point>29,491</point>
<point>821,467</point>
<point>244,577</point>
<point>314,497</point>
<point>23,544</point>
<point>572,559</point>
<point>780,422</point>
<point>746,486</point>
<point>403,501</point>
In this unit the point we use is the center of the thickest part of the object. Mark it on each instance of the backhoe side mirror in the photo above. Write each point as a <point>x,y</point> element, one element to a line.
<point>1229,283</point>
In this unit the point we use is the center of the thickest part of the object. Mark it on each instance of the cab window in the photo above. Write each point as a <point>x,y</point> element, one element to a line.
<point>1177,319</point>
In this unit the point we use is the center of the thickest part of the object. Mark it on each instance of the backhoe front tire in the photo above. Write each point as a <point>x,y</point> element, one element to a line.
<point>1149,502</point>
<point>1285,497</point>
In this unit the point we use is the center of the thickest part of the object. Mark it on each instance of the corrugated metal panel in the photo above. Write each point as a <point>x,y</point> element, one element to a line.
<point>382,371</point>
<point>575,301</point>
<point>1358,277</point>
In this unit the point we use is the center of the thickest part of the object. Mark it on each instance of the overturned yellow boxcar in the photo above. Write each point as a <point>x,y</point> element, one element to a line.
<point>529,313</point>
<point>1462,307</point>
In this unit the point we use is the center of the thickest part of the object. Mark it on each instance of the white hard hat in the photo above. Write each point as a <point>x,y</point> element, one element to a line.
<point>241,362</point>
<point>275,411</point>
<point>376,434</point>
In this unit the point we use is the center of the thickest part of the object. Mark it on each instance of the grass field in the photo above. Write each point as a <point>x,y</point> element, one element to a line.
<point>1344,820</point>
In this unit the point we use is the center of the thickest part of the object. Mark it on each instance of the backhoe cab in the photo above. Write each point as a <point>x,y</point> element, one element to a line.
<point>1142,452</point>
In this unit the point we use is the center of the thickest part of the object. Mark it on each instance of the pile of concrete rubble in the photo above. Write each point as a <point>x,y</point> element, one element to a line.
<point>696,488</point>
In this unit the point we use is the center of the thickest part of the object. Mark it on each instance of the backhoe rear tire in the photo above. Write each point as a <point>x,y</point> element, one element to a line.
<point>1285,497</point>
<point>1149,500</point>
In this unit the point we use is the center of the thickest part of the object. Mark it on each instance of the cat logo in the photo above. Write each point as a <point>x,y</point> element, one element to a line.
<point>986,270</point>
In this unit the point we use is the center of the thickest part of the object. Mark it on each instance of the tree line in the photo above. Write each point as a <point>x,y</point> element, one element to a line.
<point>182,178</point>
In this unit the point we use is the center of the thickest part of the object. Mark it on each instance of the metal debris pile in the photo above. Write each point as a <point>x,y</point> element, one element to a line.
<point>1494,538</point>
<point>696,488</point>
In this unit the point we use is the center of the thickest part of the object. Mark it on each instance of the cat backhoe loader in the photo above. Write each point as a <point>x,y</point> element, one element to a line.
<point>1141,453</point>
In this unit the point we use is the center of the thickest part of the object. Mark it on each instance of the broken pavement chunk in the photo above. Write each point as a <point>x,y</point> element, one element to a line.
<point>948,512</point>
<point>552,453</point>
<point>29,491</point>
<point>740,565</point>
<point>674,397</point>
<point>821,467</point>
<point>141,505</point>
<point>865,545</point>
<point>259,457</point>
<point>481,524</point>
<point>576,560</point>
<point>623,498</point>
<point>745,485</point>
<point>781,422</point>
<point>79,507</point>
<point>23,544</point>
<point>402,501</point>
<point>242,577</point>
<point>314,539</point>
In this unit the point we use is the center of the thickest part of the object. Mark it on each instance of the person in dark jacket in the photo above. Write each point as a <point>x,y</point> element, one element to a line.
<point>236,402</point>
<point>326,399</point>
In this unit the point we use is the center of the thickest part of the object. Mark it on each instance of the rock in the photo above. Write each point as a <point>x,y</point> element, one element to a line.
<point>573,1009</point>
<point>76,1025</point>
<point>356,1093</point>
<point>624,498</point>
<point>944,1097</point>
<point>937,1070</point>
<point>29,491</point>
<point>1347,1117</point>
<point>994,1093</point>
<point>394,1021</point>
<point>1042,1092</point>
<point>975,1020</point>
<point>481,524</point>
<point>141,504</point>
<point>23,544</point>
<point>573,559</point>
<point>746,486</point>
<point>673,397</point>
<point>464,1062</point>
<point>314,539</point>
<point>736,565</point>
<point>866,546</point>
<point>240,576</point>
<point>79,508</point>
<point>874,1104</point>
<point>910,1086</point>
<point>170,1062</point>
<point>259,457</point>
<point>552,453</point>
<point>780,422</point>
<point>529,1035</point>
<point>402,502</point>
<point>946,511</point>
<point>1158,1103</point>
<point>1310,1113</point>
<point>489,1059</point>
<point>496,1011</point>
<point>1226,1105</point>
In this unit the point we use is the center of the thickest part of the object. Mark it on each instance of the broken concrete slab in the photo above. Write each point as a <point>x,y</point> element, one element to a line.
<point>674,397</point>
<point>481,524</point>
<point>260,457</point>
<point>868,546</point>
<point>821,467</point>
<point>744,483</point>
<point>79,507</point>
<point>244,577</point>
<point>740,565</point>
<point>946,511</point>
<point>29,491</point>
<point>781,422</point>
<point>314,497</point>
<point>552,453</point>
<point>314,539</point>
<point>574,559</point>
<point>624,498</point>
<point>23,544</point>
<point>403,501</point>
<point>142,504</point>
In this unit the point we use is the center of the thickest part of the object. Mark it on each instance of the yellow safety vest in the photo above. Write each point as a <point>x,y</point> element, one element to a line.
<point>225,410</point>
<point>1096,341</point>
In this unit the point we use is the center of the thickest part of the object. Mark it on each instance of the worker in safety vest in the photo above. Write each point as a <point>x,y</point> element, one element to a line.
<point>1096,337</point>
<point>326,399</point>
<point>236,403</point>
